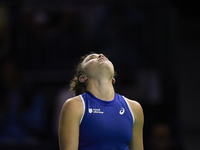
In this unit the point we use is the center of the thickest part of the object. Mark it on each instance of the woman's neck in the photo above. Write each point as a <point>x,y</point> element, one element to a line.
<point>102,89</point>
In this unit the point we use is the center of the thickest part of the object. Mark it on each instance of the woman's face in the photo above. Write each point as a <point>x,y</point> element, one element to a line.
<point>94,64</point>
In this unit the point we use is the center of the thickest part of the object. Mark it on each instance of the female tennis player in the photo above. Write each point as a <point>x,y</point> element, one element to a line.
<point>97,118</point>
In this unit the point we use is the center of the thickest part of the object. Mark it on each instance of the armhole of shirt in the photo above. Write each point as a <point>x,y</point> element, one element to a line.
<point>83,108</point>
<point>130,109</point>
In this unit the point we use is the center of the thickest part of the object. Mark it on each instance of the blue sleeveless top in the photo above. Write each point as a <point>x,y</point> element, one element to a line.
<point>105,125</point>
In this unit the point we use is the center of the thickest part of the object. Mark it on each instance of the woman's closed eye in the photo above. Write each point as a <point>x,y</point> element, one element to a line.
<point>91,57</point>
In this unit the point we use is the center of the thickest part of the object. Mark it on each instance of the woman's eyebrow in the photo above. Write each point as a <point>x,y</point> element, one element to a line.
<point>92,55</point>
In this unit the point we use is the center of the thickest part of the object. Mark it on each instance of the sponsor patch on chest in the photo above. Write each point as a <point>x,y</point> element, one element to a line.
<point>95,111</point>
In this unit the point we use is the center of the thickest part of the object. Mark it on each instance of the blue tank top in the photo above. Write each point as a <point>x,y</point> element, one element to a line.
<point>105,125</point>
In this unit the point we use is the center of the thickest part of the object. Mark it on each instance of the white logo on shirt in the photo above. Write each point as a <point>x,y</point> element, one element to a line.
<point>122,110</point>
<point>90,110</point>
<point>95,111</point>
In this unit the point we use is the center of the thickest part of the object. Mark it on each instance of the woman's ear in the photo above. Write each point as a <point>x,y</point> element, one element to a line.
<point>113,80</point>
<point>82,78</point>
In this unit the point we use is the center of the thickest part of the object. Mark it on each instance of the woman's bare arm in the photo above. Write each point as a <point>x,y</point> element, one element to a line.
<point>137,131</point>
<point>69,122</point>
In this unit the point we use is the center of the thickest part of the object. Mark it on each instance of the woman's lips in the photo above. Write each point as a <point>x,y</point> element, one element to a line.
<point>102,58</point>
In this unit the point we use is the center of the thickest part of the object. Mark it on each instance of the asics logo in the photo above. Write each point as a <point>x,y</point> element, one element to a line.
<point>122,110</point>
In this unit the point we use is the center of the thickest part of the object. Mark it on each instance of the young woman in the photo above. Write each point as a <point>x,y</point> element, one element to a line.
<point>97,118</point>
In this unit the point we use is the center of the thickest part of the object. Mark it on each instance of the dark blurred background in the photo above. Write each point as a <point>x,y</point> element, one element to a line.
<point>154,46</point>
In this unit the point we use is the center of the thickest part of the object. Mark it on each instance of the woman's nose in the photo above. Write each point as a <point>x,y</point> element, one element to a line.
<point>101,55</point>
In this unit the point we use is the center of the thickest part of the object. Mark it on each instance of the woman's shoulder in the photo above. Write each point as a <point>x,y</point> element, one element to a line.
<point>133,103</point>
<point>135,106</point>
<point>76,100</point>
<point>70,116</point>
<point>73,105</point>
